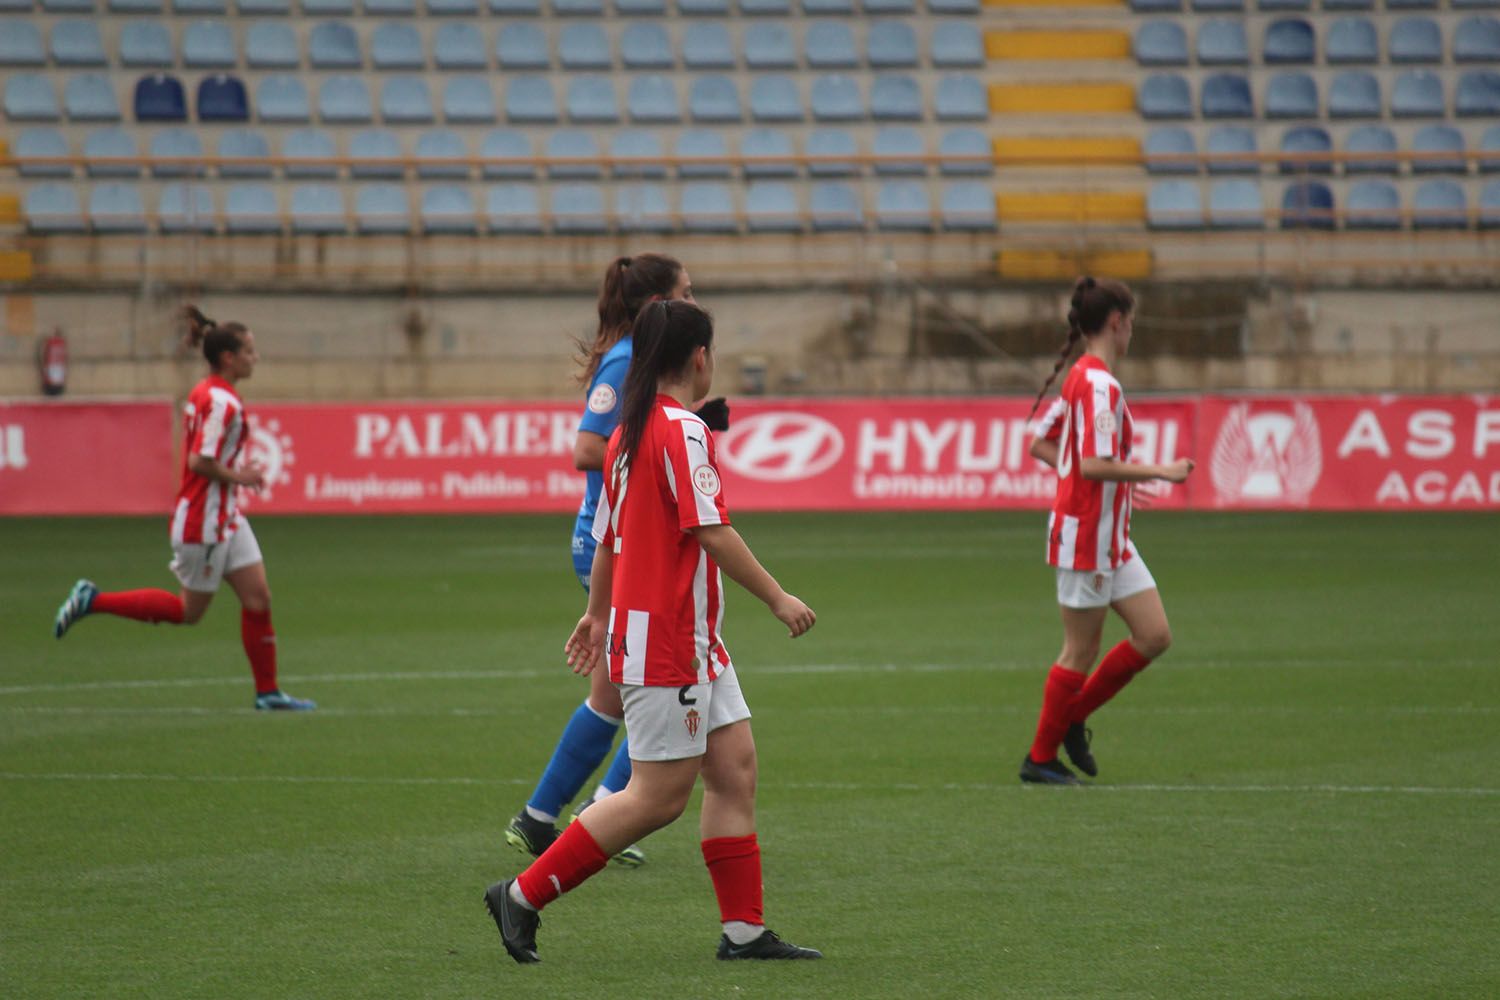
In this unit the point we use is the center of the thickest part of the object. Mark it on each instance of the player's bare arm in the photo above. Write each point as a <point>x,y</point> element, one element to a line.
<point>252,476</point>
<point>726,548</point>
<point>585,646</point>
<point>1116,471</point>
<point>1044,451</point>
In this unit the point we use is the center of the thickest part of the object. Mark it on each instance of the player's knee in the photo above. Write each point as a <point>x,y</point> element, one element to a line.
<point>257,600</point>
<point>1153,642</point>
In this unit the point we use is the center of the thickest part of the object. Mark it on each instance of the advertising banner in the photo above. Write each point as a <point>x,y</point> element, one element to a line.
<point>86,458</point>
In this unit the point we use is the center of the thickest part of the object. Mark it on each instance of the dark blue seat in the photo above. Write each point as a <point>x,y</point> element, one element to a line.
<point>1232,149</point>
<point>1163,96</point>
<point>221,98</point>
<point>1368,145</point>
<point>834,206</point>
<point>1175,204</point>
<point>1372,204</point>
<point>1226,95</point>
<point>1292,95</point>
<point>1440,204</point>
<point>1290,41</point>
<point>1222,42</point>
<point>1415,40</point>
<point>1418,94</point>
<point>1161,43</point>
<point>1354,94</point>
<point>1307,205</point>
<point>160,98</point>
<point>1478,94</point>
<point>1313,144</point>
<point>1477,39</point>
<point>1352,40</point>
<point>1236,204</point>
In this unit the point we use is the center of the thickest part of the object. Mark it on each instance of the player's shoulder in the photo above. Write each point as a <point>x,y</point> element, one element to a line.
<point>617,355</point>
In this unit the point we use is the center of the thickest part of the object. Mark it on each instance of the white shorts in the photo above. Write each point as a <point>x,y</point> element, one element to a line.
<point>1088,588</point>
<point>202,567</point>
<point>668,723</point>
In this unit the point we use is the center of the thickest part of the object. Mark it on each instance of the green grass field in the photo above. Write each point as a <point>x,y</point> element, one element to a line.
<point>1299,800</point>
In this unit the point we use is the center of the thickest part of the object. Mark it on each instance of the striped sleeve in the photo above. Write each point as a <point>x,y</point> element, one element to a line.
<point>693,468</point>
<point>1049,426</point>
<point>605,514</point>
<point>1099,423</point>
<point>211,432</point>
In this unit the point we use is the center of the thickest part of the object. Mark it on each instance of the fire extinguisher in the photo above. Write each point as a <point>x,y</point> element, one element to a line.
<point>53,361</point>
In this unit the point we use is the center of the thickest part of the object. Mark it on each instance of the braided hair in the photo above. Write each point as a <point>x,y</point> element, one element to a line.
<point>1090,308</point>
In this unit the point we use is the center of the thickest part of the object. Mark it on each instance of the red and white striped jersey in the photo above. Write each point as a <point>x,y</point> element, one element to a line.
<point>213,423</point>
<point>1090,524</point>
<point>667,602</point>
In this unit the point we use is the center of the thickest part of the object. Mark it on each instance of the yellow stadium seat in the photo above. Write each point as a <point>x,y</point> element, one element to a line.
<point>4,152</point>
<point>15,265</point>
<point>1061,98</point>
<point>1071,206</point>
<point>1057,45</point>
<point>10,208</point>
<point>1071,150</point>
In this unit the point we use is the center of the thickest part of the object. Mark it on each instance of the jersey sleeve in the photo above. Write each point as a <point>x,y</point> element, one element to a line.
<point>606,393</point>
<point>211,427</point>
<point>693,475</point>
<point>1049,426</point>
<point>1099,423</point>
<point>604,528</point>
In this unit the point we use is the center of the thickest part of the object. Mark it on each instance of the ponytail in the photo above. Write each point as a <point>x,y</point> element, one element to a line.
<point>214,338</point>
<point>629,283</point>
<point>664,338</point>
<point>1089,309</point>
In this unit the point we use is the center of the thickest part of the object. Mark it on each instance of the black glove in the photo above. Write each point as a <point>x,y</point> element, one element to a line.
<point>715,413</point>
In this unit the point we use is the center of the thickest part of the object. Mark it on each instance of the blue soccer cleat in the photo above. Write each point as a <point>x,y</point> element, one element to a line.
<point>280,701</point>
<point>79,603</point>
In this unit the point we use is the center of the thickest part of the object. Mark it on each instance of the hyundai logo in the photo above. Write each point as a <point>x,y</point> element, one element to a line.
<point>781,446</point>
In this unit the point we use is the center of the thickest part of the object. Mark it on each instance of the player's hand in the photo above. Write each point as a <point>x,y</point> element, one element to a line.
<point>1178,471</point>
<point>585,646</point>
<point>795,615</point>
<point>252,476</point>
<point>715,413</point>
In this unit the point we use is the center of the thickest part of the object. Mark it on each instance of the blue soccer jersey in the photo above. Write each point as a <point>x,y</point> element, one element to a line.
<point>601,416</point>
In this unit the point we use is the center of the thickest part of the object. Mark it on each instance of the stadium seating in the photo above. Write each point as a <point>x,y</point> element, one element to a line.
<point>1175,204</point>
<point>1291,95</point>
<point>1477,39</point>
<point>21,45</point>
<point>1478,94</point>
<point>145,44</point>
<point>512,208</point>
<point>185,208</point>
<point>903,205</point>
<point>1489,206</point>
<point>1415,40</point>
<point>1439,149</point>
<point>708,207</point>
<point>1307,205</point>
<point>251,208</point>
<point>251,149</point>
<point>1226,145</point>
<point>1235,204</point>
<point>208,45</point>
<point>111,152</point>
<point>1315,146</point>
<point>441,153</point>
<point>304,148</point>
<point>1226,95</point>
<point>1354,94</point>
<point>1364,146</point>
<point>375,152</point>
<point>1351,40</point>
<point>1289,41</point>
<point>271,45</point>
<point>468,100</point>
<point>33,146</point>
<point>834,206</point>
<point>382,209</point>
<point>1439,204</point>
<point>77,43</point>
<point>642,208</point>
<point>1222,43</point>
<point>768,153</point>
<point>1372,204</point>
<point>504,152</point>
<point>116,207</point>
<point>963,151</point>
<point>176,152</point>
<point>317,209</point>
<point>279,99</point>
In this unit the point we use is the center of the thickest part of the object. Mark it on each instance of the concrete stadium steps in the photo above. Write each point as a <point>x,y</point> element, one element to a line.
<point>1065,264</point>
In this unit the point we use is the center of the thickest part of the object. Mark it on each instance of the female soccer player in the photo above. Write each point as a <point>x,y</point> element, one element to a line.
<point>656,606</point>
<point>629,283</point>
<point>211,539</point>
<point>1087,437</point>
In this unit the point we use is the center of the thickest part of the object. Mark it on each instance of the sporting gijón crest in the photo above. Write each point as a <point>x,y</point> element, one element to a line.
<point>691,720</point>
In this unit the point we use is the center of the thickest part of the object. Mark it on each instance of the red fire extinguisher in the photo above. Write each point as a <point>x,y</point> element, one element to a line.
<point>53,360</point>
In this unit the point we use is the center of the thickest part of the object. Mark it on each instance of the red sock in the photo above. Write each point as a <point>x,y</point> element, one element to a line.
<point>1118,668</point>
<point>260,645</point>
<point>572,858</point>
<point>142,605</point>
<point>734,865</point>
<point>1062,686</point>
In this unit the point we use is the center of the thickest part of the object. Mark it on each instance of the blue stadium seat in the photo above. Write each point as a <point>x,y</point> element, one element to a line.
<point>834,207</point>
<point>53,208</point>
<point>185,208</point>
<point>1372,204</point>
<point>898,98</point>
<point>449,208</point>
<point>1440,204</point>
<point>574,144</point>
<point>76,43</point>
<point>323,8</point>
<point>271,45</point>
<point>522,45</point>
<point>904,148</point>
<point>944,6</point>
<point>774,98</point>
<point>891,45</point>
<point>1164,96</point>
<point>637,154</point>
<point>158,97</point>
<point>39,144</point>
<point>578,8</point>
<point>583,46</point>
<point>1222,42</point>
<point>1440,150</point>
<point>251,208</point>
<point>1236,204</point>
<point>512,208</point>
<point>1352,40</point>
<point>1214,6</point>
<point>1161,43</point>
<point>1411,4</point>
<point>1415,40</point>
<point>1226,95</point>
<point>1155,6</point>
<point>468,100</point>
<point>1174,205</point>
<point>1489,205</point>
<point>1232,149</point>
<point>708,208</point>
<point>68,6</point>
<point>530,99</point>
<point>105,149</point>
<point>21,44</point>
<point>1478,94</point>
<point>1489,149</point>
<point>652,98</point>
<point>1314,145</point>
<point>645,45</point>
<point>89,97</point>
<point>404,100</point>
<point>176,152</point>
<point>836,97</point>
<point>277,99</point>
<point>769,46</point>
<point>578,208</point>
<point>642,208</point>
<point>29,98</point>
<point>956,45</point>
<point>260,8</point>
<point>1307,205</point>
<point>1290,41</point>
<point>115,6</point>
<point>1366,147</point>
<point>517,8</point>
<point>966,151</point>
<point>701,144</point>
<point>707,46</point>
<point>968,206</point>
<point>390,8</point>
<point>959,98</point>
<point>1418,94</point>
<point>441,153</point>
<point>832,142</point>
<point>830,45</point>
<point>115,207</point>
<point>781,7</point>
<point>145,44</point>
<point>768,153</point>
<point>375,152</point>
<point>503,151</point>
<point>1477,39</point>
<point>771,207</point>
<point>208,45</point>
<point>309,145</point>
<point>1458,4</point>
<point>1354,94</point>
<point>382,209</point>
<point>1166,151</point>
<point>641,8</point>
<point>592,99</point>
<point>222,98</point>
<point>1292,95</point>
<point>714,99</point>
<point>903,206</point>
<point>317,209</point>
<point>249,148</point>
<point>1284,5</point>
<point>890,6</point>
<point>396,45</point>
<point>217,7</point>
<point>333,45</point>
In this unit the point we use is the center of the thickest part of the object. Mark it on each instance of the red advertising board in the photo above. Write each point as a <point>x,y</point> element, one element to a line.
<point>86,458</point>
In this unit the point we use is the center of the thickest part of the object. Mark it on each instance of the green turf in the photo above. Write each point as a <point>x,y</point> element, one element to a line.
<point>1300,800</point>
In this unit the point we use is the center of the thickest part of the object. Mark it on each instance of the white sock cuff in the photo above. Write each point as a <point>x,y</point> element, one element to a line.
<point>739,932</point>
<point>540,816</point>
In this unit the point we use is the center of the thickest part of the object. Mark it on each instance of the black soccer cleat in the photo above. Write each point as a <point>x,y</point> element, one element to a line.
<point>1054,772</point>
<point>768,945</point>
<point>529,835</point>
<point>1076,743</point>
<point>517,924</point>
